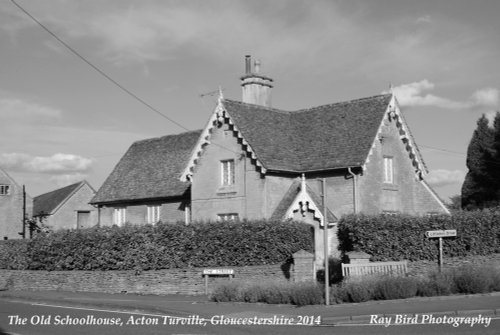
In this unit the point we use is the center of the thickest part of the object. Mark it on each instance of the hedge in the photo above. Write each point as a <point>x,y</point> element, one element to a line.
<point>160,246</point>
<point>398,237</point>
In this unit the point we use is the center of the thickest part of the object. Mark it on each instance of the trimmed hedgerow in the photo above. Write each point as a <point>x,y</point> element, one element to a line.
<point>161,246</point>
<point>388,237</point>
<point>13,254</point>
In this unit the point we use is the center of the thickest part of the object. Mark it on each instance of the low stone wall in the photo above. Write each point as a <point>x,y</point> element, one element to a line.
<point>172,281</point>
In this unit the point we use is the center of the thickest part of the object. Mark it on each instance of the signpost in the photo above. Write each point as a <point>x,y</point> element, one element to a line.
<point>440,234</point>
<point>216,272</point>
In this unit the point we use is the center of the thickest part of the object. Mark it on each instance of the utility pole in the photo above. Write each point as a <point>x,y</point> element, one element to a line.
<point>325,242</point>
<point>24,213</point>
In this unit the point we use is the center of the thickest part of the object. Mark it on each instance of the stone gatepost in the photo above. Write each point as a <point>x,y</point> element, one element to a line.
<point>358,257</point>
<point>303,266</point>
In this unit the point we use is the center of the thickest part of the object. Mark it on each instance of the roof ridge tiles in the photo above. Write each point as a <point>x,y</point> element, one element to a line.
<point>152,139</point>
<point>378,96</point>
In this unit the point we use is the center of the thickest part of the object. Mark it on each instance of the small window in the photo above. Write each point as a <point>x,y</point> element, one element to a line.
<point>4,189</point>
<point>388,170</point>
<point>228,217</point>
<point>153,214</point>
<point>119,216</point>
<point>227,172</point>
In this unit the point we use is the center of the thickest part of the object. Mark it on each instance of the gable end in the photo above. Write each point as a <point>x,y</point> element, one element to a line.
<point>220,115</point>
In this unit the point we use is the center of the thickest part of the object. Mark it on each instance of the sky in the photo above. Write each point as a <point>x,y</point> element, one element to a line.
<point>142,64</point>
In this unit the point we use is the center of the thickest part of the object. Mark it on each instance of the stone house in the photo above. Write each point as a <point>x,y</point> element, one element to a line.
<point>252,161</point>
<point>67,207</point>
<point>11,207</point>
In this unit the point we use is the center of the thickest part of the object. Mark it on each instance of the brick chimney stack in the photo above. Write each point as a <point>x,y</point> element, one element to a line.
<point>256,87</point>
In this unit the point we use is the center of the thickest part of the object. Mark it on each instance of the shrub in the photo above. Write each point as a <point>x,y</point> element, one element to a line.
<point>13,254</point>
<point>306,294</point>
<point>226,292</point>
<point>470,280</point>
<point>388,288</point>
<point>358,289</point>
<point>299,294</point>
<point>435,284</point>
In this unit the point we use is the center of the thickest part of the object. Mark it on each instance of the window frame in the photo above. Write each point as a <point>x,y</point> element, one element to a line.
<point>119,216</point>
<point>388,170</point>
<point>153,213</point>
<point>227,173</point>
<point>224,217</point>
<point>4,189</point>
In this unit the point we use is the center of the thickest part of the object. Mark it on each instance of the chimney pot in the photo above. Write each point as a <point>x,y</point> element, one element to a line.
<point>248,64</point>
<point>256,87</point>
<point>257,66</point>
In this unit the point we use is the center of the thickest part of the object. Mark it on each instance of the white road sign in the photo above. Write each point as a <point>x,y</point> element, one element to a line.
<point>441,233</point>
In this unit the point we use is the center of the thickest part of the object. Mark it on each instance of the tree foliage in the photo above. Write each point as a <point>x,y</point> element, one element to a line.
<point>481,188</point>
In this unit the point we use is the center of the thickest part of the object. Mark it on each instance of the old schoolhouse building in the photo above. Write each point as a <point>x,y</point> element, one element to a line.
<point>253,161</point>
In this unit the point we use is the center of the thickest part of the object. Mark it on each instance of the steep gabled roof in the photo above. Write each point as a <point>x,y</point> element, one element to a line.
<point>149,169</point>
<point>47,203</point>
<point>291,195</point>
<point>327,137</point>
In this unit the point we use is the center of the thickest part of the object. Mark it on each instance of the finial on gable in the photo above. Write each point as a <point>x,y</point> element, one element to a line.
<point>221,96</point>
<point>391,88</point>
<point>303,182</point>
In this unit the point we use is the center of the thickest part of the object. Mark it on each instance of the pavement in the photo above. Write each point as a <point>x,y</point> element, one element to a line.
<point>486,305</point>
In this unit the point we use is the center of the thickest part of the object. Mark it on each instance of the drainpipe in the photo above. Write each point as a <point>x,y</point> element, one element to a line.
<point>354,189</point>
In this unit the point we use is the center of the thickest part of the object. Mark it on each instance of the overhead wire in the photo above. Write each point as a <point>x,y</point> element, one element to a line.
<point>139,99</point>
<point>105,75</point>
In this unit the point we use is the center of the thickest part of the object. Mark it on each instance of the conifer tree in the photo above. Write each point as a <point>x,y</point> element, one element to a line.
<point>478,190</point>
<point>495,162</point>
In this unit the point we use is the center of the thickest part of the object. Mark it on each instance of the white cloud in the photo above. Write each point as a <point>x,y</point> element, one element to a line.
<point>129,32</point>
<point>424,19</point>
<point>57,163</point>
<point>19,109</point>
<point>414,94</point>
<point>67,179</point>
<point>486,97</point>
<point>442,177</point>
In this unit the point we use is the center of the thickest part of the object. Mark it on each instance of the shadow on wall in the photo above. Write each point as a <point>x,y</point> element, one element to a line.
<point>286,267</point>
<point>335,270</point>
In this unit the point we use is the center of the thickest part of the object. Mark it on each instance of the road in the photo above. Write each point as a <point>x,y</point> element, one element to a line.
<point>24,318</point>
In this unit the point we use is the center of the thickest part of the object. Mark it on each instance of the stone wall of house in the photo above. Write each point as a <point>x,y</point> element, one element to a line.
<point>171,211</point>
<point>11,209</point>
<point>209,198</point>
<point>172,281</point>
<point>406,194</point>
<point>66,215</point>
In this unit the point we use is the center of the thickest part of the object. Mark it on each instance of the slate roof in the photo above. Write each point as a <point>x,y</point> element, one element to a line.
<point>48,202</point>
<point>326,137</point>
<point>150,169</point>
<point>289,197</point>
